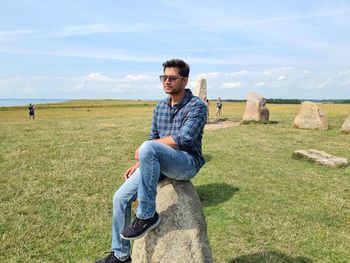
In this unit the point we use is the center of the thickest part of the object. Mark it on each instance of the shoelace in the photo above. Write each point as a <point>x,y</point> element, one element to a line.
<point>138,223</point>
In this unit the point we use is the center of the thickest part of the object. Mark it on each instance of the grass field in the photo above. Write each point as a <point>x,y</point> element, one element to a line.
<point>58,174</point>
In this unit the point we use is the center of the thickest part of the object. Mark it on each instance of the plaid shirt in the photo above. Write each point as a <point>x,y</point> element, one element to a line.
<point>184,122</point>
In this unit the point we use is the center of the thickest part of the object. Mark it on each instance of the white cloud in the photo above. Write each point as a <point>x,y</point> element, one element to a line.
<point>261,84</point>
<point>216,74</point>
<point>344,73</point>
<point>98,77</point>
<point>238,73</point>
<point>69,31</point>
<point>209,75</point>
<point>138,77</point>
<point>97,82</point>
<point>142,86</point>
<point>232,85</point>
<point>277,71</point>
<point>89,29</point>
<point>11,35</point>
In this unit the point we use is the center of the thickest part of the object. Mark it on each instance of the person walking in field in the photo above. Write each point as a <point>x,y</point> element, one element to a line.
<point>173,150</point>
<point>31,110</point>
<point>207,103</point>
<point>218,107</point>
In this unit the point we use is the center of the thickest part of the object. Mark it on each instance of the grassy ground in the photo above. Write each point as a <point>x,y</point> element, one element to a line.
<point>59,172</point>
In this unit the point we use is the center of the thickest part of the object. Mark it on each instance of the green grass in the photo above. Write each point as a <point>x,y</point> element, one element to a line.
<point>59,172</point>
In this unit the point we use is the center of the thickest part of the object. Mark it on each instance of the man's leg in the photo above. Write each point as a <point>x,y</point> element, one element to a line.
<point>156,159</point>
<point>122,201</point>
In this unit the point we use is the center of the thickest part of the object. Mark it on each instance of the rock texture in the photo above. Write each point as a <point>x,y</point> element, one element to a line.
<point>346,125</point>
<point>200,88</point>
<point>322,157</point>
<point>264,114</point>
<point>253,107</point>
<point>310,116</point>
<point>182,234</point>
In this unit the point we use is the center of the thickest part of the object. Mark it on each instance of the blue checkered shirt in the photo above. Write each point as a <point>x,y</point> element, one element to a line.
<point>184,122</point>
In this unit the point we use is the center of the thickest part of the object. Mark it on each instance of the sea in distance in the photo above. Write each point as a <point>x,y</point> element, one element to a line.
<point>25,102</point>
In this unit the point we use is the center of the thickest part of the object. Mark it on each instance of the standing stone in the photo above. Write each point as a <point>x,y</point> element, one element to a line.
<point>200,88</point>
<point>253,107</point>
<point>346,125</point>
<point>182,233</point>
<point>264,114</point>
<point>310,116</point>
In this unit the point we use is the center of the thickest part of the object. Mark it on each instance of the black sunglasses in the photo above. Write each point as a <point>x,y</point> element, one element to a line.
<point>171,78</point>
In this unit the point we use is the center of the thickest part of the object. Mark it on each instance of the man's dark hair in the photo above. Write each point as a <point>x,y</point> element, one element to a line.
<point>184,68</point>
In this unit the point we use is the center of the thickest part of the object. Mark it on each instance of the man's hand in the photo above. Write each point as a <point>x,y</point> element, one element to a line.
<point>131,170</point>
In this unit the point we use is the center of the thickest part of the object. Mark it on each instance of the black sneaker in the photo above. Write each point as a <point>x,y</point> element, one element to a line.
<point>113,259</point>
<point>140,227</point>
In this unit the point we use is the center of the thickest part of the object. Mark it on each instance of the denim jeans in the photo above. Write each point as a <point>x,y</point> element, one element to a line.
<point>157,161</point>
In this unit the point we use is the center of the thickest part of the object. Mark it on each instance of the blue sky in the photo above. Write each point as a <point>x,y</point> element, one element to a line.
<point>114,49</point>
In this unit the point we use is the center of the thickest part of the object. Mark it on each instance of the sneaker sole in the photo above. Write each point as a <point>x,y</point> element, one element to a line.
<point>144,233</point>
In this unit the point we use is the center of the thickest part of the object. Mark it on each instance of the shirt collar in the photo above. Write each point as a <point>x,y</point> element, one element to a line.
<point>185,99</point>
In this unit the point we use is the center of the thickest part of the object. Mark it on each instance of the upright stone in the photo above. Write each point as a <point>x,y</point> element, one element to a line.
<point>346,125</point>
<point>264,114</point>
<point>310,116</point>
<point>182,233</point>
<point>200,88</point>
<point>253,107</point>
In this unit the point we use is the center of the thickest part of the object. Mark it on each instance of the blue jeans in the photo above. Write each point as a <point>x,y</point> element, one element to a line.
<point>157,161</point>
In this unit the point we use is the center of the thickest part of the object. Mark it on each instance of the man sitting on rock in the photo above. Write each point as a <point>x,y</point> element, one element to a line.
<point>174,150</point>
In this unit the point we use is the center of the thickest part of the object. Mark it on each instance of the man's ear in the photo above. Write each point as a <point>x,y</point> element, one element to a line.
<point>185,80</point>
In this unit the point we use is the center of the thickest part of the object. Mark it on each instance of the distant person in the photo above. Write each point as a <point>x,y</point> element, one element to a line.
<point>31,110</point>
<point>173,150</point>
<point>207,103</point>
<point>218,107</point>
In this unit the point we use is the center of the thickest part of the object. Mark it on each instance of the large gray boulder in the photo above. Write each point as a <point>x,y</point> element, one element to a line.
<point>310,116</point>
<point>182,234</point>
<point>253,107</point>
<point>346,125</point>
<point>200,88</point>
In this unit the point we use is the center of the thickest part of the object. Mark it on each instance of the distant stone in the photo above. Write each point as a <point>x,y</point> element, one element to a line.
<point>253,107</point>
<point>322,157</point>
<point>182,234</point>
<point>346,125</point>
<point>200,88</point>
<point>310,116</point>
<point>264,114</point>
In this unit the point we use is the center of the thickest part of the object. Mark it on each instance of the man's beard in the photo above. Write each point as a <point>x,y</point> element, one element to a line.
<point>173,90</point>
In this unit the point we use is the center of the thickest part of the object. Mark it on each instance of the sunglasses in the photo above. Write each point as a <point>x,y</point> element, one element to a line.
<point>171,78</point>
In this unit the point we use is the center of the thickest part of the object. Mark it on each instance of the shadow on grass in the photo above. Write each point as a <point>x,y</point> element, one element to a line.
<point>218,120</point>
<point>213,194</point>
<point>207,157</point>
<point>270,256</point>
<point>258,122</point>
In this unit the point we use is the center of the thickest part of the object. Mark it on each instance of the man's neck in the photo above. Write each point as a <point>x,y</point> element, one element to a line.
<point>176,98</point>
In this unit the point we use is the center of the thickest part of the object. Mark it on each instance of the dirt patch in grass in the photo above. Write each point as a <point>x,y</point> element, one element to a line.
<point>220,124</point>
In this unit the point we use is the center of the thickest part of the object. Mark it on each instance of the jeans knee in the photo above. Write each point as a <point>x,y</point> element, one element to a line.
<point>122,200</point>
<point>119,199</point>
<point>147,149</point>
